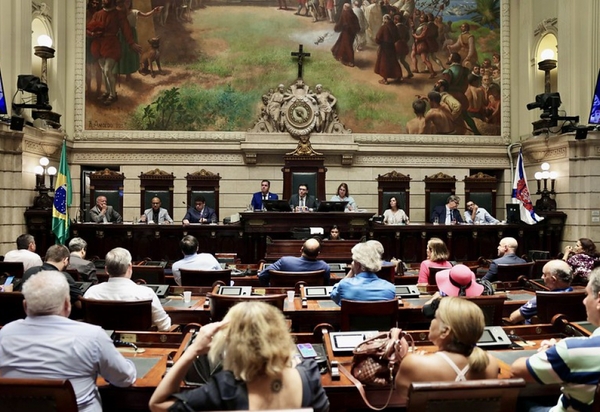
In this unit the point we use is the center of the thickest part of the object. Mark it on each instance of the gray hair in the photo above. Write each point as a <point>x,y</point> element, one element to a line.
<point>453,198</point>
<point>560,269</point>
<point>77,244</point>
<point>377,245</point>
<point>594,282</point>
<point>367,255</point>
<point>117,262</point>
<point>45,293</point>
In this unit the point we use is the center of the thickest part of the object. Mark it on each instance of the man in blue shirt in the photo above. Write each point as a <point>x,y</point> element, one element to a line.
<point>306,263</point>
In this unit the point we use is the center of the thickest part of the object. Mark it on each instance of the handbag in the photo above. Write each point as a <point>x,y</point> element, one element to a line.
<point>376,362</point>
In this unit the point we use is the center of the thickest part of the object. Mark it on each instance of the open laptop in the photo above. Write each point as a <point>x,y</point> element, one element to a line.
<point>235,290</point>
<point>345,342</point>
<point>160,290</point>
<point>332,206</point>
<point>277,206</point>
<point>407,291</point>
<point>317,292</point>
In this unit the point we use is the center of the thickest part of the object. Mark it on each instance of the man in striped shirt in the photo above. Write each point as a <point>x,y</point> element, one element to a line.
<point>572,362</point>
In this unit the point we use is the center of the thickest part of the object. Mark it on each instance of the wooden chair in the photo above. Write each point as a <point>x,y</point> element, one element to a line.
<point>280,278</point>
<point>596,405</point>
<point>511,273</point>
<point>492,307</point>
<point>204,277</point>
<point>29,395</point>
<point>220,304</point>
<point>74,274</point>
<point>538,266</point>
<point>154,275</point>
<point>477,395</point>
<point>12,268</point>
<point>568,304</point>
<point>121,315</point>
<point>11,307</point>
<point>376,315</point>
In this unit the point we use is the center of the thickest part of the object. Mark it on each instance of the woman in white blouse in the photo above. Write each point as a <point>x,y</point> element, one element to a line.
<point>393,215</point>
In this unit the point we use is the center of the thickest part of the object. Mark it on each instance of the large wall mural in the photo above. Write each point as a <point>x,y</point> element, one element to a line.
<point>416,67</point>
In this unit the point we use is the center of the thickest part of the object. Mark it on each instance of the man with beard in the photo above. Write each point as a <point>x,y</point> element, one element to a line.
<point>421,46</point>
<point>465,46</point>
<point>386,64</point>
<point>348,27</point>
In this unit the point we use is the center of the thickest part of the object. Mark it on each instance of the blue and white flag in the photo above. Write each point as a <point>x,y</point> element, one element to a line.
<point>521,194</point>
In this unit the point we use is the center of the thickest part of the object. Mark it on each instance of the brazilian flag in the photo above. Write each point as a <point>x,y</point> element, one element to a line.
<point>63,195</point>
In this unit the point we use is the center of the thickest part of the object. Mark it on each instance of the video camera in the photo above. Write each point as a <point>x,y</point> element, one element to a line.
<point>32,84</point>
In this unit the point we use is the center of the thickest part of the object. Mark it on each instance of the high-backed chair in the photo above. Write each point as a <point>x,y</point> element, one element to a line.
<point>565,303</point>
<point>191,277</point>
<point>437,189</point>
<point>156,183</point>
<point>154,275</point>
<point>537,269</point>
<point>376,315</point>
<point>12,268</point>
<point>220,304</point>
<point>476,395</point>
<point>491,306</point>
<point>203,183</point>
<point>109,184</point>
<point>114,314</point>
<point>29,395</point>
<point>280,278</point>
<point>511,273</point>
<point>481,188</point>
<point>309,170</point>
<point>393,184</point>
<point>11,307</point>
<point>433,271</point>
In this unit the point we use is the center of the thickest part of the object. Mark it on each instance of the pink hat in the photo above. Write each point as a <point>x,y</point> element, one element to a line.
<point>456,280</point>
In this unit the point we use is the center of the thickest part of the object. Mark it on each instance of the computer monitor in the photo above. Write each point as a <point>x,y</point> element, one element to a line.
<point>595,109</point>
<point>513,213</point>
<point>277,205</point>
<point>334,206</point>
<point>3,106</point>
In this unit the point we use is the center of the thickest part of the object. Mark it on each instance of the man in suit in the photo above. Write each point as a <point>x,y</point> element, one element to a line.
<point>306,263</point>
<point>103,213</point>
<point>447,214</point>
<point>156,214</point>
<point>303,200</point>
<point>87,269</point>
<point>506,250</point>
<point>200,213</point>
<point>264,194</point>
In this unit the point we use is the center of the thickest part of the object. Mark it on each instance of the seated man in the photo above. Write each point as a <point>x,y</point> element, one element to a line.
<point>557,276</point>
<point>306,263</point>
<point>447,214</point>
<point>121,287</point>
<point>103,213</point>
<point>200,213</point>
<point>573,362</point>
<point>156,214</point>
<point>25,253</point>
<point>302,200</point>
<point>87,269</point>
<point>478,215</point>
<point>192,259</point>
<point>57,259</point>
<point>506,250</point>
<point>264,194</point>
<point>47,345</point>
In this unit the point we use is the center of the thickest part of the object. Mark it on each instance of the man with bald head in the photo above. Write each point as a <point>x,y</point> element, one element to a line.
<point>306,263</point>
<point>557,275</point>
<point>507,252</point>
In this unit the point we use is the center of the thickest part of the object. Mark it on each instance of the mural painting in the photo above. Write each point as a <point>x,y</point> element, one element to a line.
<point>413,66</point>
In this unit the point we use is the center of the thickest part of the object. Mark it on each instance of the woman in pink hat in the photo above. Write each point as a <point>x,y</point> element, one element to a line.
<point>458,281</point>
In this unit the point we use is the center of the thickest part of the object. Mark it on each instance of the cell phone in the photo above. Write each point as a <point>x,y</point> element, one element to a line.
<point>9,280</point>
<point>306,350</point>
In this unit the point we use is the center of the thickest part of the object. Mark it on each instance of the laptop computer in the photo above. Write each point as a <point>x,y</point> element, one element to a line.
<point>407,291</point>
<point>332,206</point>
<point>345,342</point>
<point>277,206</point>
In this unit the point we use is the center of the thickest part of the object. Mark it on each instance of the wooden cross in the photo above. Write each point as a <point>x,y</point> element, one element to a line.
<point>300,55</point>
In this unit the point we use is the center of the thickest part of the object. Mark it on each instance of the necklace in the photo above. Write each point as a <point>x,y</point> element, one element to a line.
<point>276,385</point>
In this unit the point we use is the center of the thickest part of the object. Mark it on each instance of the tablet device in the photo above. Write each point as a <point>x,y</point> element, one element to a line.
<point>344,342</point>
<point>407,291</point>
<point>317,292</point>
<point>494,337</point>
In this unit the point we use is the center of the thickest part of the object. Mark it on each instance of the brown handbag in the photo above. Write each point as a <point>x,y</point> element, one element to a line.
<point>376,362</point>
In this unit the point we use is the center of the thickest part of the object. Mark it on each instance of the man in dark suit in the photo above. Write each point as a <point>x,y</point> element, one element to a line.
<point>264,194</point>
<point>506,250</point>
<point>306,263</point>
<point>200,213</point>
<point>448,213</point>
<point>303,199</point>
<point>103,213</point>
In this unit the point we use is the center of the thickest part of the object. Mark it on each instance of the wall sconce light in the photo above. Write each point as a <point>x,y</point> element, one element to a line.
<point>545,203</point>
<point>547,64</point>
<point>43,200</point>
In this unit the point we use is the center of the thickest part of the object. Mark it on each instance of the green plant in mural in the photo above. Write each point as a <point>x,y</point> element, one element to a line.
<point>165,112</point>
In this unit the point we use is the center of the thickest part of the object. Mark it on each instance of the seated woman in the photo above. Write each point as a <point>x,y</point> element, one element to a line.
<point>334,234</point>
<point>393,215</point>
<point>456,327</point>
<point>362,282</point>
<point>437,256</point>
<point>256,350</point>
<point>343,195</point>
<point>583,258</point>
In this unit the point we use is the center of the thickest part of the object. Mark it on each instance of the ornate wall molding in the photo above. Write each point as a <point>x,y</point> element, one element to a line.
<point>431,161</point>
<point>157,158</point>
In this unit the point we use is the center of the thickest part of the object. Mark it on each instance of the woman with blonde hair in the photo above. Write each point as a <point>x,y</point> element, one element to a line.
<point>437,256</point>
<point>456,327</point>
<point>256,350</point>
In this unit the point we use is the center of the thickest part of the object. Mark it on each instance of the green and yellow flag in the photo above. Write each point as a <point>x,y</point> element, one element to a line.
<point>63,195</point>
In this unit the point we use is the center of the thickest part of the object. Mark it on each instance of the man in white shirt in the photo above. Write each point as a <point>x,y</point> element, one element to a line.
<point>121,287</point>
<point>478,215</point>
<point>192,259</point>
<point>24,253</point>
<point>48,345</point>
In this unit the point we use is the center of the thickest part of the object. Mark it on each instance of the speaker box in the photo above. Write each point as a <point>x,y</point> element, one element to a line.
<point>581,133</point>
<point>16,123</point>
